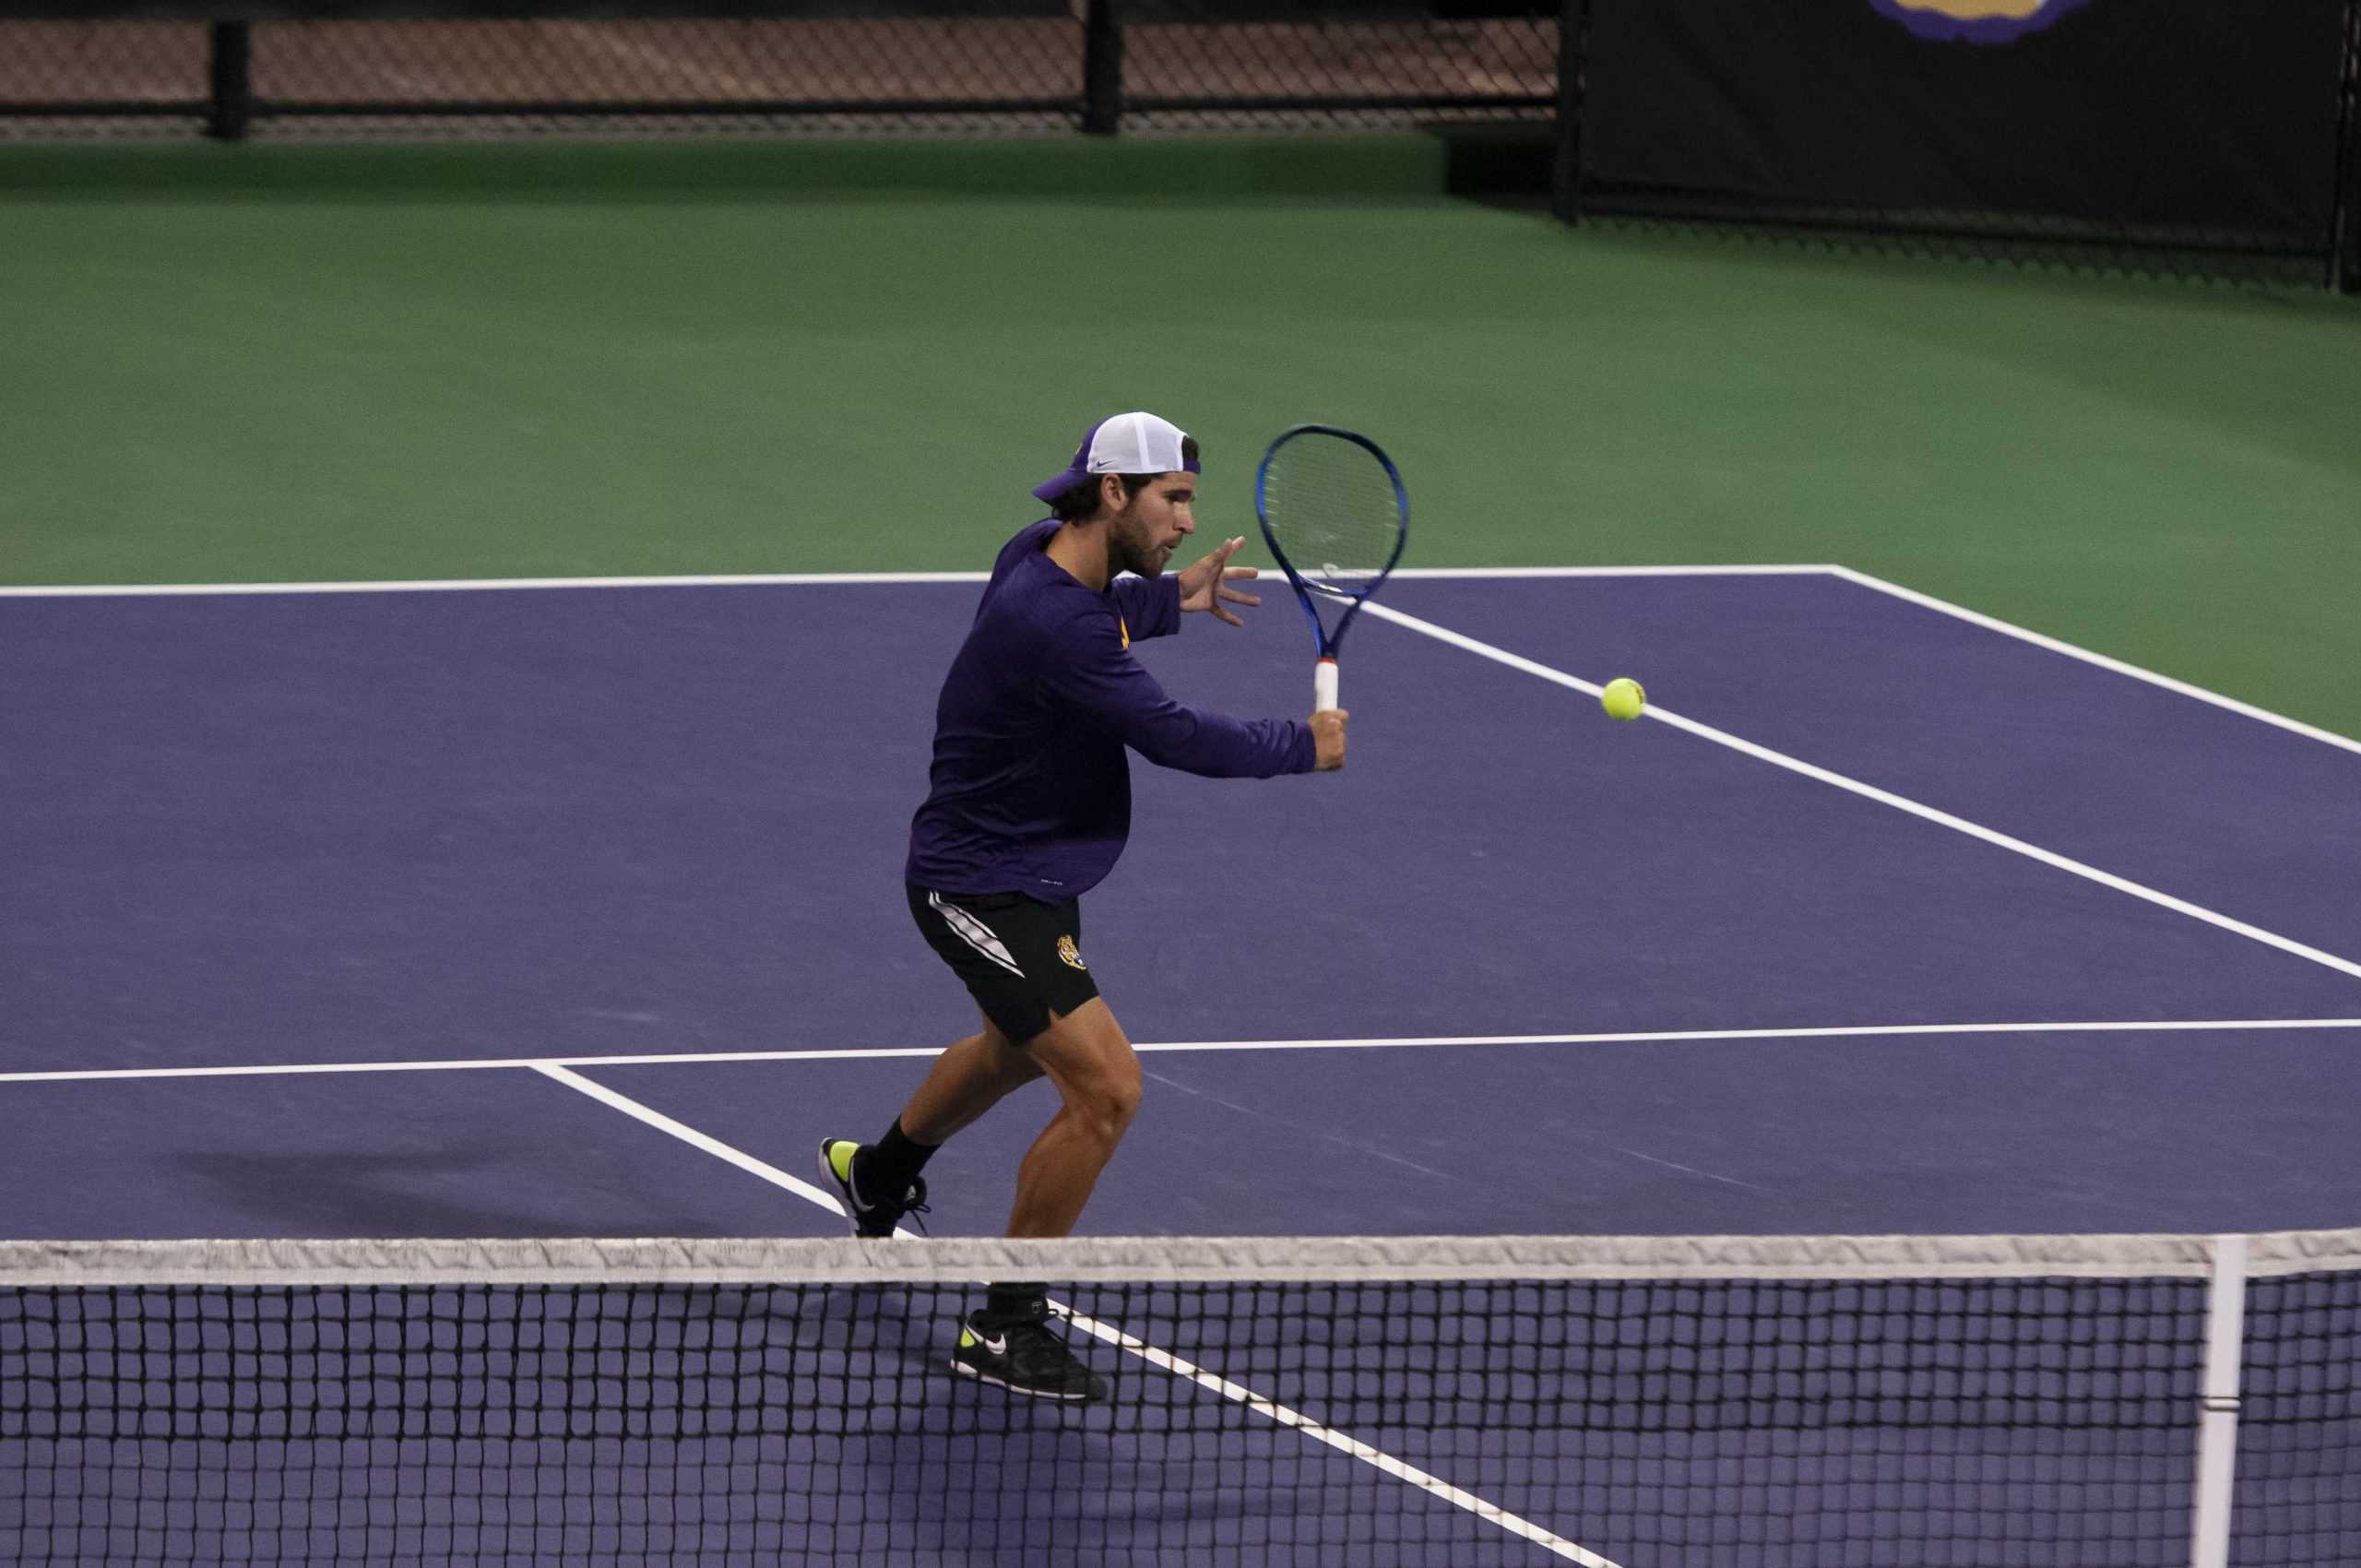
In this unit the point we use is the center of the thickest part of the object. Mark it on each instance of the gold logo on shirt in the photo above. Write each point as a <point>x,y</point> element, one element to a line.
<point>1124,627</point>
<point>1070,954</point>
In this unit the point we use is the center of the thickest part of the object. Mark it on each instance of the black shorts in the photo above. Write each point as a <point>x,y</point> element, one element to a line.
<point>1020,958</point>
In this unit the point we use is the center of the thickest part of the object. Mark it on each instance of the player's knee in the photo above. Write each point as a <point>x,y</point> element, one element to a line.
<point>1109,1103</point>
<point>1123,1099</point>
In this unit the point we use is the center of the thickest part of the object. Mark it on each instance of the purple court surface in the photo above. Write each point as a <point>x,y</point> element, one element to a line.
<point>274,830</point>
<point>1901,923</point>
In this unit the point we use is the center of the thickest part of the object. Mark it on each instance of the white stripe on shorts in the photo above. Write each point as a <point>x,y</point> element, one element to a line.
<point>974,933</point>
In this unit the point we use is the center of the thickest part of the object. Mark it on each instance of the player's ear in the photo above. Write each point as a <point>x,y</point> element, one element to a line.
<point>1110,492</point>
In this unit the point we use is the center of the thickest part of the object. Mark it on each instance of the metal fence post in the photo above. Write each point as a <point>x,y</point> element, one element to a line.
<point>2344,265</point>
<point>1573,62</point>
<point>1102,68</point>
<point>229,105</point>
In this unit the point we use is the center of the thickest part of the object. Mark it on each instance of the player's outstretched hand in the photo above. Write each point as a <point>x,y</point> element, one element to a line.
<point>1328,739</point>
<point>1205,585</point>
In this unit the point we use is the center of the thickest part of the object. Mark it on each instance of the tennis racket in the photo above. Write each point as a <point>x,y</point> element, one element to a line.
<point>1335,516</point>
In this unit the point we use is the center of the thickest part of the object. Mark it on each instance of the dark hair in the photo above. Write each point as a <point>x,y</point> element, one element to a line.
<point>1081,502</point>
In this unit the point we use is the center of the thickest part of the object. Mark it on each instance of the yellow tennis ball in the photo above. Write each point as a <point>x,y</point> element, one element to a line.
<point>1624,698</point>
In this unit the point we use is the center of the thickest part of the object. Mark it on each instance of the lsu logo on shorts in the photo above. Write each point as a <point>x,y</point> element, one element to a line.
<point>1070,954</point>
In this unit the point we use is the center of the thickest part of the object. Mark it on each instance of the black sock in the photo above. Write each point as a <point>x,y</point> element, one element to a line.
<point>1014,1303</point>
<point>892,1162</point>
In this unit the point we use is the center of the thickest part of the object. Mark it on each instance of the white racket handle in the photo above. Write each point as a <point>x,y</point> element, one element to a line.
<point>1323,685</point>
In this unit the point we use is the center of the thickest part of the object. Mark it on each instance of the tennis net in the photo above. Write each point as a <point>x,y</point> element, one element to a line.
<point>2076,1401</point>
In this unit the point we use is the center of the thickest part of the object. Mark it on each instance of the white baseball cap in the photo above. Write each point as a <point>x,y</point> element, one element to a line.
<point>1136,443</point>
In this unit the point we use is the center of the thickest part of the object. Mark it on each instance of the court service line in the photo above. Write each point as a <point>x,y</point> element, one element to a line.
<point>1165,1360</point>
<point>1883,797</point>
<point>811,580</point>
<point>1472,573</point>
<point>1992,624</point>
<point>869,1053</point>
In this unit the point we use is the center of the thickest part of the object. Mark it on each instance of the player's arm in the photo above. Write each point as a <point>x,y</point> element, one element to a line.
<point>1089,669</point>
<point>1151,606</point>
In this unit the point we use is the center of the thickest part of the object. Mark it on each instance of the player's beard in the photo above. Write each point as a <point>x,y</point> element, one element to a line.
<point>1133,550</point>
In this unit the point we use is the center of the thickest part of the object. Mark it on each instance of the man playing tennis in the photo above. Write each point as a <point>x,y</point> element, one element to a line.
<point>1029,807</point>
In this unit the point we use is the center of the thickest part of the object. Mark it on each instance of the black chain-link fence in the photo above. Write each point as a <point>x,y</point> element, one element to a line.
<point>1680,112</point>
<point>1143,65</point>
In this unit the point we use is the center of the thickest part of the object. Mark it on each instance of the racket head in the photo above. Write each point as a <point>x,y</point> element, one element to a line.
<point>1334,515</point>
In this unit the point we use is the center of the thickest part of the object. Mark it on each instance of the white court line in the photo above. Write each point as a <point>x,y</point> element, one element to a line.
<point>2053,645</point>
<point>1883,797</point>
<point>1633,1037</point>
<point>1439,574</point>
<point>1480,573</point>
<point>687,1134</point>
<point>1267,1408</point>
<point>1488,1512</point>
<point>816,579</point>
<point>487,584</point>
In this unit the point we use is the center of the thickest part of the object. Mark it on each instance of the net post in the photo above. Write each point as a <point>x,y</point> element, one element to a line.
<point>1566,155</point>
<point>230,104</point>
<point>1102,68</point>
<point>2217,1450</point>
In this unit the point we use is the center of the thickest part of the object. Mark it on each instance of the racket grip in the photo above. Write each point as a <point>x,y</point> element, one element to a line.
<point>1323,685</point>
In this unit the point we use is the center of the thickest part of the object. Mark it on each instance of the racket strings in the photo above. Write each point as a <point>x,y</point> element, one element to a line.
<point>1333,511</point>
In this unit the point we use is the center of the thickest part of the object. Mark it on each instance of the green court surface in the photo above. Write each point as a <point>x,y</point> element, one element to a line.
<point>304,364</point>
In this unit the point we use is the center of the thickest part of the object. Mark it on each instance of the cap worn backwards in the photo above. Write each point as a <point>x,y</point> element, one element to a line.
<point>1136,443</point>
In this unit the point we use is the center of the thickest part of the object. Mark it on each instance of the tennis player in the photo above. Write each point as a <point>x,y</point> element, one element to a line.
<point>1030,805</point>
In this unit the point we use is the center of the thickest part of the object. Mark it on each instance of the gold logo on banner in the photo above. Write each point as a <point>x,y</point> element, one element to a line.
<point>1976,21</point>
<point>1070,954</point>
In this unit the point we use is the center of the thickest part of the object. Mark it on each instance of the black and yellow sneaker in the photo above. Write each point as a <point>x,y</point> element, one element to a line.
<point>1024,1357</point>
<point>873,1213</point>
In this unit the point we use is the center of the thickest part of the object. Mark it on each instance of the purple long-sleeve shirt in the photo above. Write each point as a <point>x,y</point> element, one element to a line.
<point>1031,789</point>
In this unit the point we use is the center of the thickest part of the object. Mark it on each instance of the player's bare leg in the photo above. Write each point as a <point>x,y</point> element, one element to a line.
<point>967,1079</point>
<point>1013,1340</point>
<point>877,1184</point>
<point>1087,1054</point>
